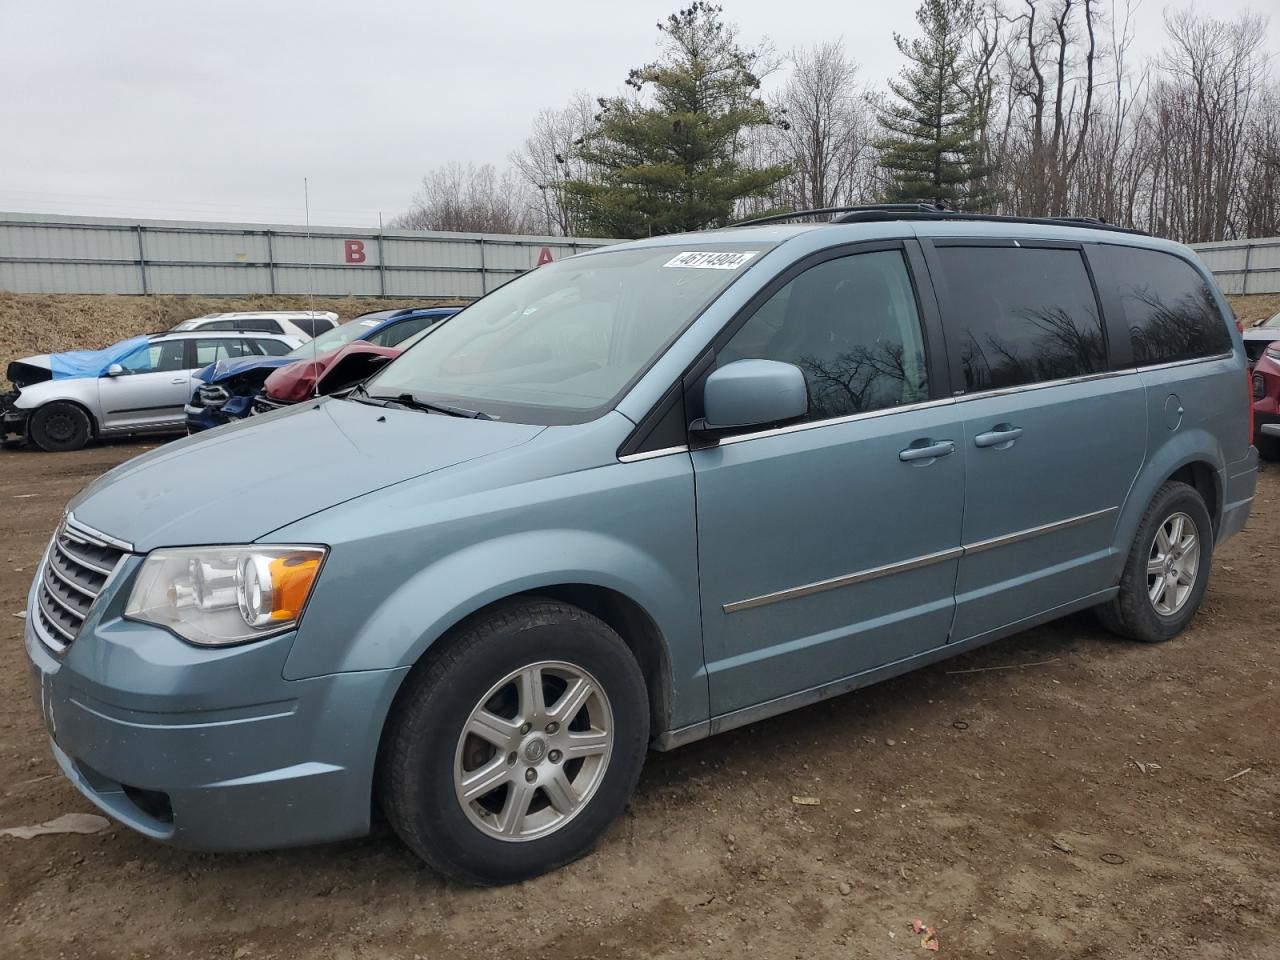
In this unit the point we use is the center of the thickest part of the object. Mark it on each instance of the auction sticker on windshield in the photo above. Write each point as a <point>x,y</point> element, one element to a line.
<point>710,260</point>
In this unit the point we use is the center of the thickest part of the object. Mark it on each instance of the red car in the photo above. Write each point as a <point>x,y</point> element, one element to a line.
<point>329,373</point>
<point>1266,403</point>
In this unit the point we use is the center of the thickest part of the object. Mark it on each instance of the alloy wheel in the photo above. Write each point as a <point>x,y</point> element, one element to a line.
<point>1173,564</point>
<point>533,751</point>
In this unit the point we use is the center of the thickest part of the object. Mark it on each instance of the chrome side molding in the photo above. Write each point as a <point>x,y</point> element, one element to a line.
<point>915,563</point>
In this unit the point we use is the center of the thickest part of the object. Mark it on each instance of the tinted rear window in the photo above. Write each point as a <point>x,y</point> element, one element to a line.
<point>312,326</point>
<point>1169,309</point>
<point>258,325</point>
<point>1019,315</point>
<point>272,348</point>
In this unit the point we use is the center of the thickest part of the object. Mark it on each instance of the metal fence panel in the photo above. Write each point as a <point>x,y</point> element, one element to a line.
<point>61,254</point>
<point>1243,266</point>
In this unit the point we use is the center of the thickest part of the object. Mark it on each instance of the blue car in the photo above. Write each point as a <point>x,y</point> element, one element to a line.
<point>226,389</point>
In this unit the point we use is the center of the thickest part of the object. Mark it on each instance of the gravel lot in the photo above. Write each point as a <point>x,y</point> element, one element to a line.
<point>977,798</point>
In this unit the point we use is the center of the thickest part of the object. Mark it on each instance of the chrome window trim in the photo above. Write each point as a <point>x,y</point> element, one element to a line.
<point>1186,363</point>
<point>834,421</point>
<point>915,563</point>
<point>652,454</point>
<point>1043,384</point>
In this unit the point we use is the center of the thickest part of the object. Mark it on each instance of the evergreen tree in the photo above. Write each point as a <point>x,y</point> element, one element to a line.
<point>670,161</point>
<point>930,150</point>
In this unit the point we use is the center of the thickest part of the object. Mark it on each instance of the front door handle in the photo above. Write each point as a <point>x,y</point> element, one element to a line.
<point>928,450</point>
<point>1001,436</point>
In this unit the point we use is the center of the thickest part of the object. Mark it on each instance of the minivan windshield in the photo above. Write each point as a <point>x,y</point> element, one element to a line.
<point>561,343</point>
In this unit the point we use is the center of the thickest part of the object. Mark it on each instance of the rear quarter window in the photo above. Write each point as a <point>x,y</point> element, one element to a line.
<point>1168,307</point>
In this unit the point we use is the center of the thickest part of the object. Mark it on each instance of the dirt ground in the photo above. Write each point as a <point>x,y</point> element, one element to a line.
<point>1004,807</point>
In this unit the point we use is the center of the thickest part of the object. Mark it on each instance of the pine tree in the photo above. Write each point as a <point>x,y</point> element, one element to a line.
<point>669,161</point>
<point>930,150</point>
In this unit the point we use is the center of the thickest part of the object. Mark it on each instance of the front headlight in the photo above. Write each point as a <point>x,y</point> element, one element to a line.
<point>220,595</point>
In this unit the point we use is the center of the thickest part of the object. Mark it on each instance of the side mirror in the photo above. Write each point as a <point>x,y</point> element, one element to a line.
<point>747,394</point>
<point>115,370</point>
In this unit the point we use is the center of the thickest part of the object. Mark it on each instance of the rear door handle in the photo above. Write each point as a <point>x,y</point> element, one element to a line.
<point>179,380</point>
<point>1001,436</point>
<point>930,450</point>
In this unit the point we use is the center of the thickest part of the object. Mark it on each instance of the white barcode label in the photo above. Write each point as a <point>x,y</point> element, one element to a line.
<point>711,260</point>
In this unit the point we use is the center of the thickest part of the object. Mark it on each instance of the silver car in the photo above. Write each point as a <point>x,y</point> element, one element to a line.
<point>62,401</point>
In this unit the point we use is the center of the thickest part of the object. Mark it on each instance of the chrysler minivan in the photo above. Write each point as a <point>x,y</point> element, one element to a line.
<point>632,499</point>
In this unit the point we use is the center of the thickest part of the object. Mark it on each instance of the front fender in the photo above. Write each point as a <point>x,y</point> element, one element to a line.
<point>418,613</point>
<point>416,567</point>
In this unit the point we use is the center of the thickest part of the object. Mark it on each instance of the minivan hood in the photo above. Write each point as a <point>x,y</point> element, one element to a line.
<point>241,481</point>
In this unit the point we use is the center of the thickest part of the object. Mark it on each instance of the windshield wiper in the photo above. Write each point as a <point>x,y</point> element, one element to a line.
<point>369,398</point>
<point>413,403</point>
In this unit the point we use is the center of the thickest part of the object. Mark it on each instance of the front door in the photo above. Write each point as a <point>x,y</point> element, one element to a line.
<point>152,389</point>
<point>830,547</point>
<point>1052,439</point>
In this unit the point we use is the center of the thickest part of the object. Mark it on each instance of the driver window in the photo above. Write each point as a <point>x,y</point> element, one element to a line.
<point>851,326</point>
<point>155,358</point>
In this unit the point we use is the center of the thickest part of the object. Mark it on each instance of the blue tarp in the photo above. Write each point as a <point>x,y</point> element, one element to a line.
<point>92,363</point>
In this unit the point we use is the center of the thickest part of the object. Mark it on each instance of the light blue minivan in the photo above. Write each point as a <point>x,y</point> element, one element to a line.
<point>629,500</point>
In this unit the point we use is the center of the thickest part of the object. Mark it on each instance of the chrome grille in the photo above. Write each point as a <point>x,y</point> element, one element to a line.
<point>76,567</point>
<point>212,395</point>
<point>262,404</point>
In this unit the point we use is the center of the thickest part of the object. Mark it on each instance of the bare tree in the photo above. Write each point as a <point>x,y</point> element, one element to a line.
<point>1052,73</point>
<point>826,139</point>
<point>470,199</point>
<point>1211,82</point>
<point>551,155</point>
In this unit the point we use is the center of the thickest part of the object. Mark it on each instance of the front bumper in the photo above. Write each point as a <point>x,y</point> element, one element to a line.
<point>201,418</point>
<point>211,749</point>
<point>13,419</point>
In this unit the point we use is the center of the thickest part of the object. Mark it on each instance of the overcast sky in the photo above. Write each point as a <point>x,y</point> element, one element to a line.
<point>217,109</point>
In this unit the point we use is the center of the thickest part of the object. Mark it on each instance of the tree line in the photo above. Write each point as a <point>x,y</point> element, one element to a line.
<point>1023,107</point>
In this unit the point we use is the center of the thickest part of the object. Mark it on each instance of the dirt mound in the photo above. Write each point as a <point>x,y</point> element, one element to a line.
<point>45,323</point>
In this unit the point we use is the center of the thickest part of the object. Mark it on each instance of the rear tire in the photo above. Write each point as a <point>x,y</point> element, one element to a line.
<point>546,774</point>
<point>60,426</point>
<point>1167,570</point>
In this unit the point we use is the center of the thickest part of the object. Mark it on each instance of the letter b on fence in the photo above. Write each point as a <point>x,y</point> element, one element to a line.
<point>354,251</point>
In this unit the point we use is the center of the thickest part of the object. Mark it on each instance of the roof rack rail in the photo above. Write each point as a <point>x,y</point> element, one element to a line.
<point>858,208</point>
<point>882,212</point>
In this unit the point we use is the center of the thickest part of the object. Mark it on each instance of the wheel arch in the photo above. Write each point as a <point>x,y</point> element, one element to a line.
<point>1195,458</point>
<point>94,427</point>
<point>1206,481</point>
<point>638,631</point>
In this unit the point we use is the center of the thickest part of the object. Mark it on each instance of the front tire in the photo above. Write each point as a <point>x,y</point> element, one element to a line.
<point>60,426</point>
<point>513,747</point>
<point>1167,571</point>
